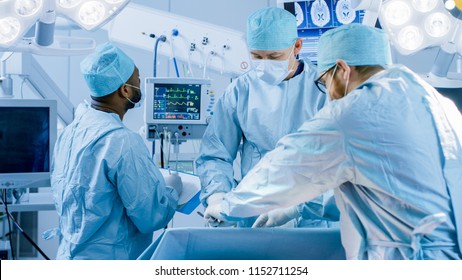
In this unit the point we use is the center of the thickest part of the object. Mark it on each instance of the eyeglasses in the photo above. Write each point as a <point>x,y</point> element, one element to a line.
<point>320,84</point>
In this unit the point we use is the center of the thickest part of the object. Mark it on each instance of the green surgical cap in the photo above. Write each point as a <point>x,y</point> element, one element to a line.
<point>106,69</point>
<point>355,43</point>
<point>271,29</point>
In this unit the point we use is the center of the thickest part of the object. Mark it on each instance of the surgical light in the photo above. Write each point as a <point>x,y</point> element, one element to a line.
<point>27,7</point>
<point>69,3</point>
<point>424,5</point>
<point>18,16</point>
<point>410,38</point>
<point>418,24</point>
<point>437,25</point>
<point>397,13</point>
<point>9,29</point>
<point>90,15</point>
<point>450,4</point>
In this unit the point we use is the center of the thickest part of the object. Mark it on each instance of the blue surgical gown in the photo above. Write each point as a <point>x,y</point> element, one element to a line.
<point>391,149</point>
<point>259,114</point>
<point>109,195</point>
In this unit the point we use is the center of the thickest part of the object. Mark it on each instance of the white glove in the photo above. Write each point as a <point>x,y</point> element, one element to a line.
<point>174,180</point>
<point>212,215</point>
<point>276,217</point>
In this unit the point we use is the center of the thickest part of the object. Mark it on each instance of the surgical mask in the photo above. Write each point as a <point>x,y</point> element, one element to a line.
<point>272,72</point>
<point>139,102</point>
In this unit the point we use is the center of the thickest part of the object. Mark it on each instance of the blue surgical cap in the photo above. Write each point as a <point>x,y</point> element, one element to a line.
<point>355,43</point>
<point>271,29</point>
<point>106,69</point>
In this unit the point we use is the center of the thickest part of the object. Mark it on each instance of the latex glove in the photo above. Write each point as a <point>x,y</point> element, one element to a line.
<point>174,180</point>
<point>213,216</point>
<point>276,217</point>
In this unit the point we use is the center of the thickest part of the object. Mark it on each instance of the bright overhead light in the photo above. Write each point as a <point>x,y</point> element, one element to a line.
<point>437,25</point>
<point>18,16</point>
<point>92,13</point>
<point>410,38</point>
<point>9,30</point>
<point>397,13</point>
<point>69,3</point>
<point>414,25</point>
<point>27,7</point>
<point>450,4</point>
<point>424,5</point>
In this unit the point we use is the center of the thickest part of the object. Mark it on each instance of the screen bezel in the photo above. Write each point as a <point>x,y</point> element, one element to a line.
<point>20,180</point>
<point>150,83</point>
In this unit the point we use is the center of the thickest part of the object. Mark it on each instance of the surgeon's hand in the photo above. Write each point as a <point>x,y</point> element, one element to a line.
<point>174,180</point>
<point>276,217</point>
<point>212,215</point>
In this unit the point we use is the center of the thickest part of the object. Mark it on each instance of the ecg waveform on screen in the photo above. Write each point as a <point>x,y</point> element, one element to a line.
<point>177,101</point>
<point>187,97</point>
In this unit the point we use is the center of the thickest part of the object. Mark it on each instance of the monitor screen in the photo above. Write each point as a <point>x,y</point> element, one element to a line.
<point>27,135</point>
<point>177,101</point>
<point>314,17</point>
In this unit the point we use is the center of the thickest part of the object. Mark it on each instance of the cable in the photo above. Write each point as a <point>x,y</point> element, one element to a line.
<point>22,85</point>
<point>154,67</point>
<point>161,150</point>
<point>9,222</point>
<point>153,149</point>
<point>175,33</point>
<point>177,149</point>
<point>18,227</point>
<point>166,147</point>
<point>176,67</point>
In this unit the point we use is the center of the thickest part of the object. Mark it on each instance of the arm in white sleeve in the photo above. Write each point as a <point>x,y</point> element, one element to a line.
<point>303,166</point>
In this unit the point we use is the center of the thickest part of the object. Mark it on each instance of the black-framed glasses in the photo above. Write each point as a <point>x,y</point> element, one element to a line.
<point>320,84</point>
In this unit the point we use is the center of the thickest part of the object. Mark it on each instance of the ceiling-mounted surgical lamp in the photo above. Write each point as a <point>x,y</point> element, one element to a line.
<point>415,25</point>
<point>371,8</point>
<point>18,16</point>
<point>90,14</point>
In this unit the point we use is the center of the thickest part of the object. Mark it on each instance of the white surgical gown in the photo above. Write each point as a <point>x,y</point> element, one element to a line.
<point>259,114</point>
<point>391,149</point>
<point>109,195</point>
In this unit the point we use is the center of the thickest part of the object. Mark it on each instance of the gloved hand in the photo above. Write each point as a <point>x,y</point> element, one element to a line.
<point>213,216</point>
<point>174,180</point>
<point>276,217</point>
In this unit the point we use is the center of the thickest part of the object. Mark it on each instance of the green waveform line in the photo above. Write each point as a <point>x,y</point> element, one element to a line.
<point>176,103</point>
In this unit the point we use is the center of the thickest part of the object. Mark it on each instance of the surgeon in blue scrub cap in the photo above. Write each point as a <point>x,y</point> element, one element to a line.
<point>256,110</point>
<point>389,144</point>
<point>109,194</point>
